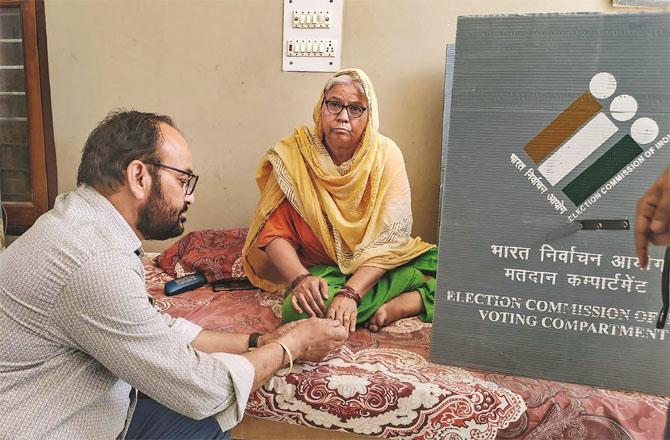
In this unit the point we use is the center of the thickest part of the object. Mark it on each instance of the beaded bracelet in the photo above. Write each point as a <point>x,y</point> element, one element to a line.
<point>297,280</point>
<point>349,292</point>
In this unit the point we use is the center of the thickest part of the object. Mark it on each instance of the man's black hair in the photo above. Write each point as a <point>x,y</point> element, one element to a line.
<point>120,138</point>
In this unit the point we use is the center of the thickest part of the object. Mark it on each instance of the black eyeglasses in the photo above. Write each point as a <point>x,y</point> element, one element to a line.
<point>189,185</point>
<point>354,110</point>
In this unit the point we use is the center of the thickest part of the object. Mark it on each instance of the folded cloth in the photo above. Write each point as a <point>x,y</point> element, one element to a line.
<point>213,252</point>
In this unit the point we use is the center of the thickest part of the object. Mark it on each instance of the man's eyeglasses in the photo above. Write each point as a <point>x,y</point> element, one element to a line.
<point>189,184</point>
<point>354,110</point>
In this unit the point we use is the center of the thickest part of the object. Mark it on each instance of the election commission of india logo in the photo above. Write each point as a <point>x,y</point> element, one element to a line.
<point>578,132</point>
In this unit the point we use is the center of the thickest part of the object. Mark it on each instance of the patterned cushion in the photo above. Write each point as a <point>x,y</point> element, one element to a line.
<point>387,392</point>
<point>214,252</point>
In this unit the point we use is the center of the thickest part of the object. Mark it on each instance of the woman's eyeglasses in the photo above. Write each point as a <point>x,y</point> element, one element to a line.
<point>189,185</point>
<point>354,110</point>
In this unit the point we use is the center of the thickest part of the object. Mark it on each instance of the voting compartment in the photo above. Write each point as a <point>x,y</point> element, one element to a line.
<point>556,125</point>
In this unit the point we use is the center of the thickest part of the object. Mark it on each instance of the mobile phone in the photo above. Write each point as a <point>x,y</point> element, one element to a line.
<point>232,284</point>
<point>184,284</point>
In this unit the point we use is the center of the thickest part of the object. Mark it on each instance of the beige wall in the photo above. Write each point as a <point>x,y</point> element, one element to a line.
<point>215,66</point>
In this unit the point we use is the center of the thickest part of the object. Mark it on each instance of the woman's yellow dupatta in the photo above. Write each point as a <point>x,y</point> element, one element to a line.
<point>360,210</point>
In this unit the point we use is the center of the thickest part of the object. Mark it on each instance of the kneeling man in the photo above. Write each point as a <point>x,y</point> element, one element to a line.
<point>78,335</point>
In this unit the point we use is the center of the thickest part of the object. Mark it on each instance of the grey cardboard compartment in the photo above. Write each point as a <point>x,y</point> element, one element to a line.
<point>518,289</point>
<point>641,3</point>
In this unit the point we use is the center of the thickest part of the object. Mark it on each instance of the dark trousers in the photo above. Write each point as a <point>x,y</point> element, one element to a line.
<point>152,420</point>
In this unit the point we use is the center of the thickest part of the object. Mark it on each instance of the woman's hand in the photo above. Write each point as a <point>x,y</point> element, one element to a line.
<point>344,310</point>
<point>309,295</point>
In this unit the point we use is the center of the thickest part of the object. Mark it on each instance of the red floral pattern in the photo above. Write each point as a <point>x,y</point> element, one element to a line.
<point>381,384</point>
<point>389,393</point>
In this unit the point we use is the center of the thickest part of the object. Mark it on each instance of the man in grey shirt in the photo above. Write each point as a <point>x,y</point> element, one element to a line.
<point>77,331</point>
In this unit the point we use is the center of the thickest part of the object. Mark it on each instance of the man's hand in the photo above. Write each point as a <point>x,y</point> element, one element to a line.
<point>278,332</point>
<point>344,310</point>
<point>310,295</point>
<point>652,222</point>
<point>313,338</point>
<point>310,340</point>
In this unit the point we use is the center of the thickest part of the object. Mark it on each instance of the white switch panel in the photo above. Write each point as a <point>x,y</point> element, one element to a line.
<point>311,48</point>
<point>311,19</point>
<point>312,35</point>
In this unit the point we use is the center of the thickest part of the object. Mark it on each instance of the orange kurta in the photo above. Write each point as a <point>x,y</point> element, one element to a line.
<point>286,223</point>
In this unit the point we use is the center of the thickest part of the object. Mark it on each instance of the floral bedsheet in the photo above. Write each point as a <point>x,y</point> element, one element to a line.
<point>380,384</point>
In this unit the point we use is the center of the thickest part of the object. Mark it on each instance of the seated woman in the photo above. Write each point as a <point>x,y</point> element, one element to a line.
<point>334,220</point>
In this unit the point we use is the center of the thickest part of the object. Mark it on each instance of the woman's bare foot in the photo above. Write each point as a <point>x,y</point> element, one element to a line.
<point>402,306</point>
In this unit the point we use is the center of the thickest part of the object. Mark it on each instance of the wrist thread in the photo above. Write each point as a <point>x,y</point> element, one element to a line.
<point>297,280</point>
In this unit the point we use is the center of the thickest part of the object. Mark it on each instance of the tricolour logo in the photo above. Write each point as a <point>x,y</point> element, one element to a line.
<point>581,129</point>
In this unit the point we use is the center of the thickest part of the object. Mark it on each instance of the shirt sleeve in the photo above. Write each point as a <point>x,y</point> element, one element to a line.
<point>238,366</point>
<point>105,311</point>
<point>183,328</point>
<point>278,225</point>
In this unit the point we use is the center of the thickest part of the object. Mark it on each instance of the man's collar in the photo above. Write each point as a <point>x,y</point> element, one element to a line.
<point>115,220</point>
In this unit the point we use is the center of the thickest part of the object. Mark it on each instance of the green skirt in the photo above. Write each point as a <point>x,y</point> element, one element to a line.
<point>406,278</point>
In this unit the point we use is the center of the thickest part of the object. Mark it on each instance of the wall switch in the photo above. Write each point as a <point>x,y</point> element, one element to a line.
<point>311,19</point>
<point>311,48</point>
